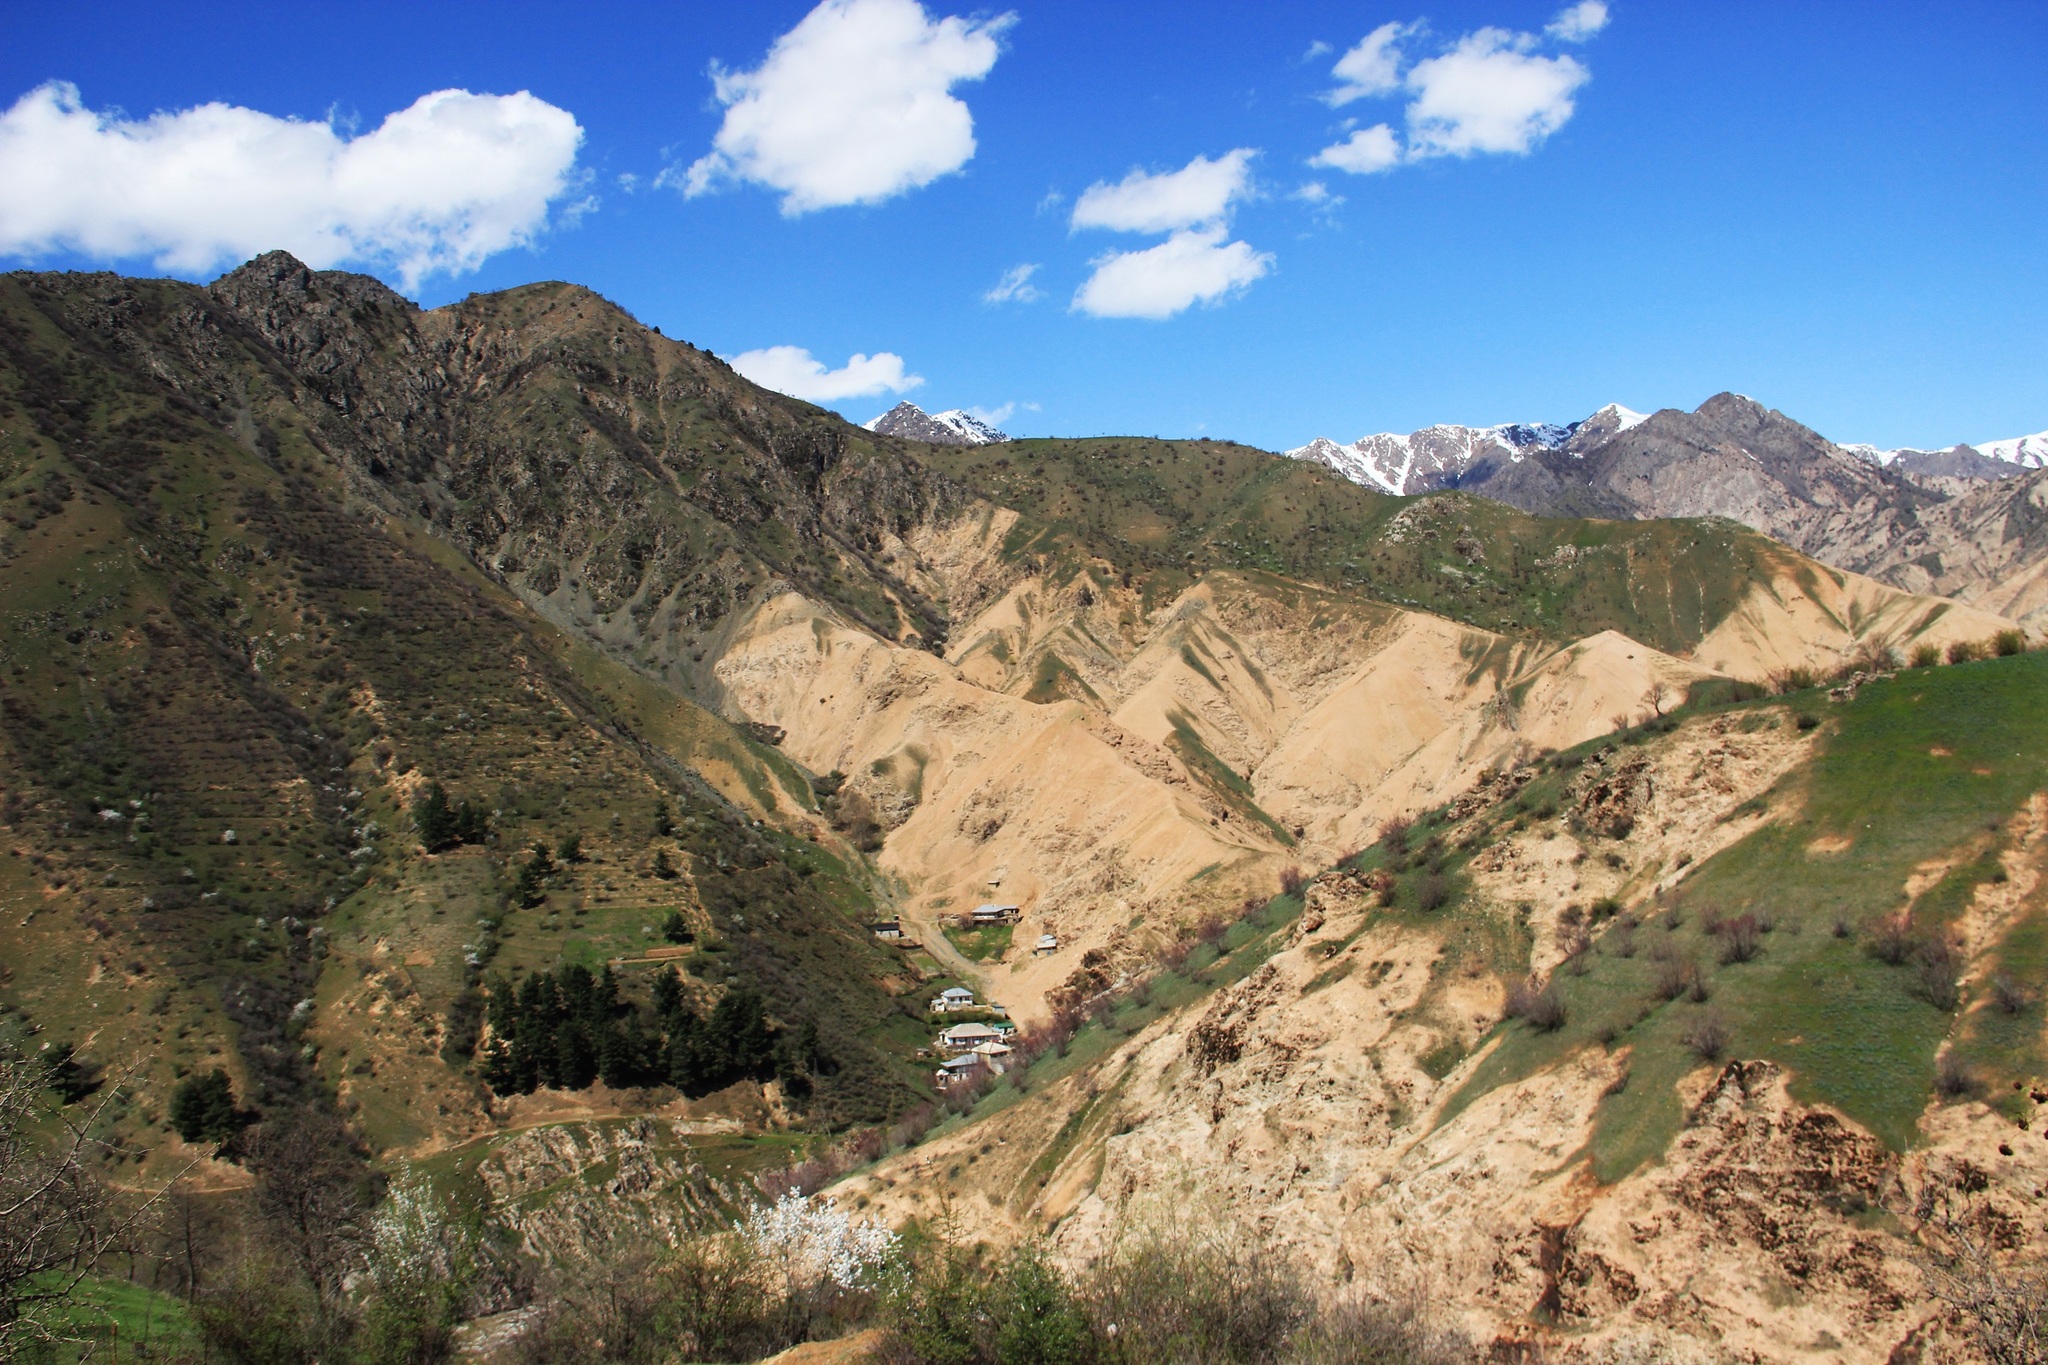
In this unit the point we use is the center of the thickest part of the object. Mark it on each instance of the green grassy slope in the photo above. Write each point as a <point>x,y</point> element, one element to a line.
<point>1929,773</point>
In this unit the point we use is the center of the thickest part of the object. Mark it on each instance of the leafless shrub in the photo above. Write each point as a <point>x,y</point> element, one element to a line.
<point>1952,1078</point>
<point>1795,679</point>
<point>1621,939</point>
<point>1394,834</point>
<point>2007,643</point>
<point>1935,974</point>
<point>1290,881</point>
<point>2001,1293</point>
<point>1891,938</point>
<point>1538,1005</point>
<point>1196,1286</point>
<point>57,1220</point>
<point>1706,1036</point>
<point>1356,1330</point>
<point>1673,976</point>
<point>1741,939</point>
<point>1433,892</point>
<point>1925,656</point>
<point>1963,652</point>
<point>2009,994</point>
<point>1872,656</point>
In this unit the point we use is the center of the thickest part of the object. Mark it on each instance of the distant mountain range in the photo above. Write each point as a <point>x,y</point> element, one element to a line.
<point>1969,522</point>
<point>950,428</point>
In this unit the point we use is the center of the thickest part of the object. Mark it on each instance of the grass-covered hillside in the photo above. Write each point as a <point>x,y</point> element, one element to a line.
<point>1167,511</point>
<point>229,674</point>
<point>1869,935</point>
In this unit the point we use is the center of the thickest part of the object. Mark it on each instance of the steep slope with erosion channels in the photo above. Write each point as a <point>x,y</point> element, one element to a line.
<point>1702,1019</point>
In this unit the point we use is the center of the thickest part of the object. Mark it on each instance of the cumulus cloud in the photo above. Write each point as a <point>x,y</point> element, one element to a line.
<point>1371,68</point>
<point>1365,151</point>
<point>1192,266</point>
<point>852,106</point>
<point>1200,192</point>
<point>1015,286</point>
<point>994,417</point>
<point>437,187</point>
<point>793,370</point>
<point>1577,23</point>
<point>1489,93</point>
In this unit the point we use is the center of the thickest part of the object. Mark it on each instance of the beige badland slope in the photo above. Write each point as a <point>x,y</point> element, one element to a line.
<point>1083,824</point>
<point>1105,766</point>
<point>1302,1100</point>
<point>1089,817</point>
<point>1811,616</point>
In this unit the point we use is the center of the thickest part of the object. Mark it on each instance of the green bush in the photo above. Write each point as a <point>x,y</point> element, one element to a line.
<point>203,1108</point>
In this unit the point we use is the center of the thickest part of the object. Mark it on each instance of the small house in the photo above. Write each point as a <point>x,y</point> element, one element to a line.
<point>952,998</point>
<point>1048,944</point>
<point>963,1037</point>
<point>965,1067</point>
<point>996,914</point>
<point>889,931</point>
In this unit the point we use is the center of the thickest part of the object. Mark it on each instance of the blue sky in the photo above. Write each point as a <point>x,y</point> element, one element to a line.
<point>1835,208</point>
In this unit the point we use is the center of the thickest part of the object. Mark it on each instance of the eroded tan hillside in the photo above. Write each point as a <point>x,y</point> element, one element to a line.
<point>1344,1099</point>
<point>1107,762</point>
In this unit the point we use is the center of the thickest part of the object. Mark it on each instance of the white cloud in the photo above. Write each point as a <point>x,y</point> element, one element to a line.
<point>1190,267</point>
<point>1371,68</point>
<point>792,370</point>
<point>1577,23</point>
<point>438,186</point>
<point>1489,93</point>
<point>1199,192</point>
<point>1015,286</point>
<point>1316,49</point>
<point>994,417</point>
<point>1365,151</point>
<point>852,106</point>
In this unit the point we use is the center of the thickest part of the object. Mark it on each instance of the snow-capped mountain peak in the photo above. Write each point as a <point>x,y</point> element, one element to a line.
<point>2020,452</point>
<point>1434,457</point>
<point>953,427</point>
<point>2028,452</point>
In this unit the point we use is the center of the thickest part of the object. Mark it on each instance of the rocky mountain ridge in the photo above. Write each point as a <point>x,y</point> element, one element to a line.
<point>1958,517</point>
